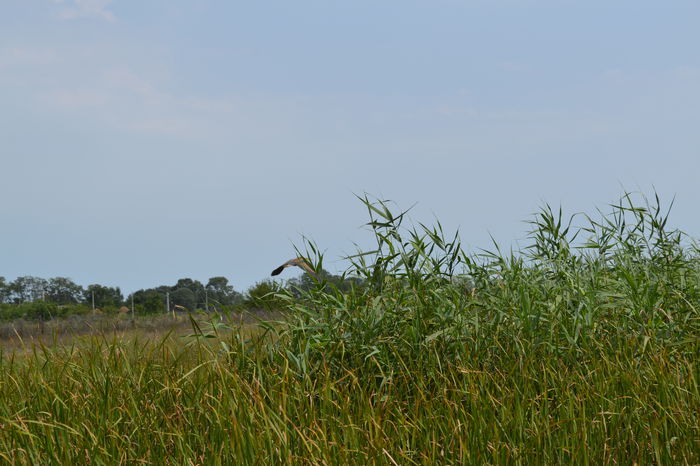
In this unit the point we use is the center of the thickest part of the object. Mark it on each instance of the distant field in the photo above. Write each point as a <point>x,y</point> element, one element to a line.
<point>22,335</point>
<point>554,355</point>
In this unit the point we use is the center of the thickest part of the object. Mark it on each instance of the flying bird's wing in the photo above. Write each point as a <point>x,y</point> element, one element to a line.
<point>304,264</point>
<point>297,261</point>
<point>278,270</point>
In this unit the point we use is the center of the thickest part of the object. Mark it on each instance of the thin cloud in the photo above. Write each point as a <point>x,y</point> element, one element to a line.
<point>75,99</point>
<point>26,56</point>
<point>124,98</point>
<point>76,9</point>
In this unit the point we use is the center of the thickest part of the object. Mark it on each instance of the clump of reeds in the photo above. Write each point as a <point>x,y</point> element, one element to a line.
<point>628,280</point>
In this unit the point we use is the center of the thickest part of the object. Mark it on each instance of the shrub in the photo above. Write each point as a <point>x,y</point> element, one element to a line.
<point>39,310</point>
<point>267,295</point>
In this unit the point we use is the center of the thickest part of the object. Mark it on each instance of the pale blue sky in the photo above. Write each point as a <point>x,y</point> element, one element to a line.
<point>145,141</point>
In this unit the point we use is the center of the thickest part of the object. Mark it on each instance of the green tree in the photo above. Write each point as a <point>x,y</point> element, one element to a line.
<point>104,296</point>
<point>62,290</point>
<point>221,292</point>
<point>195,286</point>
<point>28,288</point>
<point>152,303</point>
<point>183,297</point>
<point>146,300</point>
<point>4,290</point>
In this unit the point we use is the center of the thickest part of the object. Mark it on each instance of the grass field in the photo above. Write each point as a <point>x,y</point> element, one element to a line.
<point>580,349</point>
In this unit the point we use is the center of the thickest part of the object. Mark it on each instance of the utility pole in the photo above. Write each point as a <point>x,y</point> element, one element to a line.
<point>167,302</point>
<point>93,301</point>
<point>206,299</point>
<point>132,305</point>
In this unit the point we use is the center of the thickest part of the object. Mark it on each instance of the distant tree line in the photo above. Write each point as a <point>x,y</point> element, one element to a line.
<point>188,293</point>
<point>36,297</point>
<point>58,290</point>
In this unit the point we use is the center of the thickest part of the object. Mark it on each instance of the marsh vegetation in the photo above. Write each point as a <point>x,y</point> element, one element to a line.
<point>582,348</point>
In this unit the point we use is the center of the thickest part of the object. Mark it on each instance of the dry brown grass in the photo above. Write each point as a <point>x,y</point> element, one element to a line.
<point>21,336</point>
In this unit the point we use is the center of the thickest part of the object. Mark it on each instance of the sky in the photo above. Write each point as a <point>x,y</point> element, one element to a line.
<point>146,141</point>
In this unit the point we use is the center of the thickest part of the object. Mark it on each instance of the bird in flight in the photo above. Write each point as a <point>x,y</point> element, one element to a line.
<point>300,262</point>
